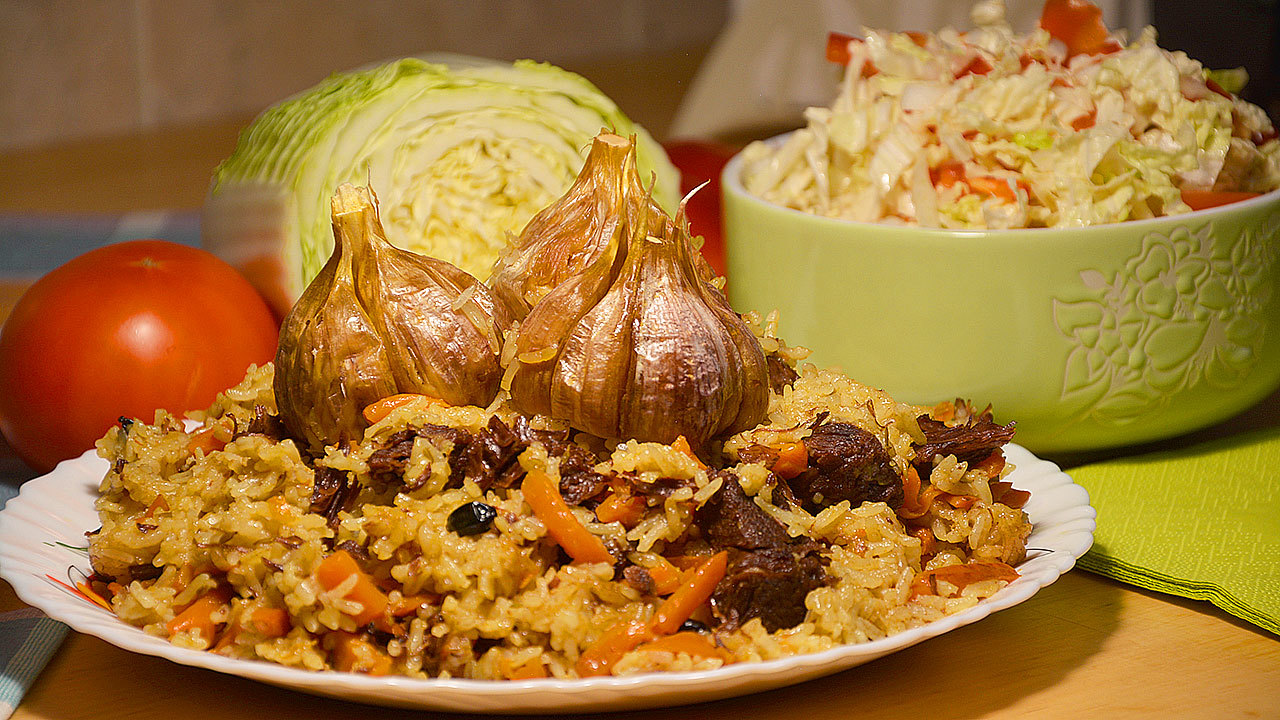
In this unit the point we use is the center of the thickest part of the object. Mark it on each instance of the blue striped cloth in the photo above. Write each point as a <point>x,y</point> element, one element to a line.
<point>27,640</point>
<point>31,245</point>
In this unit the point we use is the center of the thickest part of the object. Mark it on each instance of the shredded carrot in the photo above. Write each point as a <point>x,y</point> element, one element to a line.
<point>977,66</point>
<point>993,186</point>
<point>84,592</point>
<point>666,577</point>
<point>379,410</point>
<point>962,575</point>
<point>695,591</point>
<point>793,459</point>
<point>336,568</point>
<point>992,465</point>
<point>621,507</point>
<point>695,645</point>
<point>529,669</point>
<point>271,621</point>
<point>409,604</point>
<point>351,653</point>
<point>928,542</point>
<point>681,444</point>
<point>198,615</point>
<point>944,411</point>
<point>1077,24</point>
<point>959,502</point>
<point>1202,199</point>
<point>543,495</point>
<point>205,440</point>
<point>1086,121</point>
<point>1004,493</point>
<point>687,562</point>
<point>600,657</point>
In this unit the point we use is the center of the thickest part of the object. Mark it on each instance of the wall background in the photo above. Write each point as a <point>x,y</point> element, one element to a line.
<point>75,69</point>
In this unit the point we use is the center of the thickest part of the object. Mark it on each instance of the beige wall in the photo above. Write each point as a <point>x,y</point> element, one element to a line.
<point>81,68</point>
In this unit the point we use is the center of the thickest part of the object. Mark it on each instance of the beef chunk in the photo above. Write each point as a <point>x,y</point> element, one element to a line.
<point>770,584</point>
<point>579,481</point>
<point>780,373</point>
<point>264,423</point>
<point>730,519</point>
<point>331,493</point>
<point>490,458</point>
<point>846,463</point>
<point>971,441</point>
<point>770,573</point>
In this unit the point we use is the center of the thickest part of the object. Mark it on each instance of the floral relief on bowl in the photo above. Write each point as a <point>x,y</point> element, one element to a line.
<point>1187,309</point>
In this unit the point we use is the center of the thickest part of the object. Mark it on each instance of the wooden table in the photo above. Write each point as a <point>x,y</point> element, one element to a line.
<point>1084,647</point>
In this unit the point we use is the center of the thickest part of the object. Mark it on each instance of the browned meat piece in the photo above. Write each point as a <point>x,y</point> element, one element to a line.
<point>264,423</point>
<point>730,519</point>
<point>972,441</point>
<point>759,454</point>
<point>490,456</point>
<point>579,481</point>
<point>332,493</point>
<point>846,463</point>
<point>769,573</point>
<point>770,584</point>
<point>638,578</point>
<point>780,373</point>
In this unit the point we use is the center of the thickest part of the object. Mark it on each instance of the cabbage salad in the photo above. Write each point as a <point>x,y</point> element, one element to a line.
<point>1064,126</point>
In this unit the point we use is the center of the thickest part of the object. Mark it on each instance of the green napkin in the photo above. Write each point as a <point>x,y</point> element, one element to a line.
<point>1201,522</point>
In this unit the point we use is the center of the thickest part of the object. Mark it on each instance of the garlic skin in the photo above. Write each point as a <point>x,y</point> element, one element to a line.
<point>640,346</point>
<point>378,320</point>
<point>569,235</point>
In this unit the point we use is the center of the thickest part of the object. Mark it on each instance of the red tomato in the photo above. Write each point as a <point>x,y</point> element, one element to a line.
<point>699,162</point>
<point>121,331</point>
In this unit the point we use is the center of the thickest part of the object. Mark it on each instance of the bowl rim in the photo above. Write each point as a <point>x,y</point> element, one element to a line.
<point>731,184</point>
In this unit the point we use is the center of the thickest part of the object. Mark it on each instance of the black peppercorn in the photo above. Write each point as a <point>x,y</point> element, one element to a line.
<point>472,518</point>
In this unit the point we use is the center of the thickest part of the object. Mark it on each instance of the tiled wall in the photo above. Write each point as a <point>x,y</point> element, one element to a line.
<point>78,68</point>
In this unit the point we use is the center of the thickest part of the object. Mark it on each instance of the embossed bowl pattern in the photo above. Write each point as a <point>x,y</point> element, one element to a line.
<point>1088,337</point>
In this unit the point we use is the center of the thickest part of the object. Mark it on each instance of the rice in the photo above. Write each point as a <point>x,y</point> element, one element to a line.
<point>240,524</point>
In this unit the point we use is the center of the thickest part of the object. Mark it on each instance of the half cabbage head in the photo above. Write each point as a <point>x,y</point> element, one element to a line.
<point>462,155</point>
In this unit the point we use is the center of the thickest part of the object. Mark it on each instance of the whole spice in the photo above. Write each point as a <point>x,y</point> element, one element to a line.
<point>378,321</point>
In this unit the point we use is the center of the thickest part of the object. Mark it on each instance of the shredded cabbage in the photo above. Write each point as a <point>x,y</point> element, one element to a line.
<point>460,155</point>
<point>988,129</point>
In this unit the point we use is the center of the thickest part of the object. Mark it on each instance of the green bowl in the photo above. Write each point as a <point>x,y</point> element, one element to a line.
<point>1088,337</point>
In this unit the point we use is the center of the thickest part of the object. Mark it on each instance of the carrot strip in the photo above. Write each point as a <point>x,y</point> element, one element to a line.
<point>543,495</point>
<point>271,621</point>
<point>928,542</point>
<point>695,645</point>
<point>666,577</point>
<point>379,410</point>
<point>600,657</point>
<point>962,575</point>
<point>204,439</point>
<point>695,591</point>
<point>1204,199</point>
<point>198,615</point>
<point>681,444</point>
<point>336,568</point>
<point>351,653</point>
<point>1078,24</point>
<point>621,507</point>
<point>793,459</point>
<point>529,669</point>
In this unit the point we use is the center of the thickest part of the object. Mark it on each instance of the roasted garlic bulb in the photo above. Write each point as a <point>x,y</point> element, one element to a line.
<point>567,236</point>
<point>378,321</point>
<point>639,345</point>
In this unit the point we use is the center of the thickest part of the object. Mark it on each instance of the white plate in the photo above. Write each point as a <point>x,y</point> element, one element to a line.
<point>58,508</point>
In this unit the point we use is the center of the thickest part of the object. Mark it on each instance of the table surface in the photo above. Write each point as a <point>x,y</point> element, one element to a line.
<point>1085,646</point>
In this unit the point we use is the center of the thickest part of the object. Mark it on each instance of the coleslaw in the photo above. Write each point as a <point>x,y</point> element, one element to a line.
<point>1064,126</point>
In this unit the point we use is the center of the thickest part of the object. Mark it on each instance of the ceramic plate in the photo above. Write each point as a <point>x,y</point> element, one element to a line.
<point>39,528</point>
